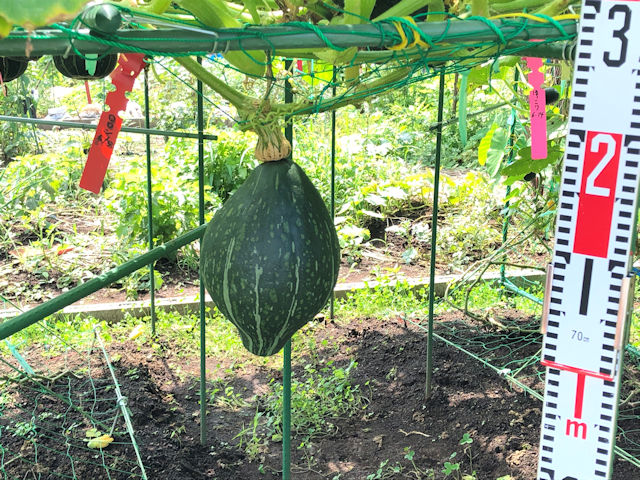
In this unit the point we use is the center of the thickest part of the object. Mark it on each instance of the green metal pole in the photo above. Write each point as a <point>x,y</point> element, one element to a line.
<point>152,280</point>
<point>92,126</point>
<point>286,361</point>
<point>434,227</point>
<point>286,412</point>
<point>203,357</point>
<point>333,174</point>
<point>511,141</point>
<point>9,327</point>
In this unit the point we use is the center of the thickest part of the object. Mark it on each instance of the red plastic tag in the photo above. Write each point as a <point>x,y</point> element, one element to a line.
<point>123,77</point>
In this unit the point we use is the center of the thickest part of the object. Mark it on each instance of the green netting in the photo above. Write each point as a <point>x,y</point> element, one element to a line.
<point>512,349</point>
<point>49,418</point>
<point>506,337</point>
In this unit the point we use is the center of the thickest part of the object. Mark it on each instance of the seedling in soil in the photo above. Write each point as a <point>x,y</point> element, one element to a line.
<point>417,471</point>
<point>385,471</point>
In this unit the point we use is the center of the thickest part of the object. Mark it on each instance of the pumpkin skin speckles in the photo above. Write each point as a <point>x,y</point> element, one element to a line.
<point>270,256</point>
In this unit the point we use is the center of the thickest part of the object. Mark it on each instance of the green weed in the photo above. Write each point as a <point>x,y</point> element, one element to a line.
<point>319,396</point>
<point>223,395</point>
<point>385,470</point>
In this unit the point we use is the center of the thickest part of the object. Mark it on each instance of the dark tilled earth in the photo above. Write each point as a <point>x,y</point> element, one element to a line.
<point>162,392</point>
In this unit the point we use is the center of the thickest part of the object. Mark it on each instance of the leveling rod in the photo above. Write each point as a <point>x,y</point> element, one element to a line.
<point>589,287</point>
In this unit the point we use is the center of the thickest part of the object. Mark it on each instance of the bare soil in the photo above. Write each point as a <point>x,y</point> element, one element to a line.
<point>161,386</point>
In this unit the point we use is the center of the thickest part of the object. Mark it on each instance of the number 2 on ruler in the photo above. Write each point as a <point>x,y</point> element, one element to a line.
<point>597,193</point>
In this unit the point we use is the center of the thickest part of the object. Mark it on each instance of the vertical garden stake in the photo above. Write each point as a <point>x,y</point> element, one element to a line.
<point>203,365</point>
<point>152,280</point>
<point>434,223</point>
<point>333,173</point>
<point>510,142</point>
<point>286,362</point>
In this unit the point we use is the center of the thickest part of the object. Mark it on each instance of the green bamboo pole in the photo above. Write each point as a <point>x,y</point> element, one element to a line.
<point>92,126</point>
<point>152,280</point>
<point>9,327</point>
<point>286,358</point>
<point>203,355</point>
<point>434,227</point>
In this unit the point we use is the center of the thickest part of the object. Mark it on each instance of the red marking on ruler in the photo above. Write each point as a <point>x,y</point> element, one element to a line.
<point>123,78</point>
<point>580,371</point>
<point>597,193</point>
<point>579,395</point>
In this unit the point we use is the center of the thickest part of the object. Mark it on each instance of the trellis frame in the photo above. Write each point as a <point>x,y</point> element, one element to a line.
<point>55,42</point>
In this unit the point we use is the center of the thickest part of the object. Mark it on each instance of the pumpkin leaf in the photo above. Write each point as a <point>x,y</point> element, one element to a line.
<point>525,164</point>
<point>5,27</point>
<point>485,144</point>
<point>316,71</point>
<point>35,13</point>
<point>335,57</point>
<point>102,441</point>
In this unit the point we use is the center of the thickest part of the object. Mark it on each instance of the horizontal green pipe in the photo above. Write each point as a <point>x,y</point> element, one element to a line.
<point>558,50</point>
<point>36,314</point>
<point>562,50</point>
<point>510,286</point>
<point>278,37</point>
<point>91,126</point>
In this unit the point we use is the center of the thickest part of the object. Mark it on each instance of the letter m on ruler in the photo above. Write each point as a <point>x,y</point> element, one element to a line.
<point>576,429</point>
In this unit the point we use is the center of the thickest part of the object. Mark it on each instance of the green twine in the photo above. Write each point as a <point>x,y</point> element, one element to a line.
<point>500,36</point>
<point>320,34</point>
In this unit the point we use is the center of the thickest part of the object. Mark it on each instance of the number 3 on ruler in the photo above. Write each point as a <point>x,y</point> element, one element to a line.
<point>620,34</point>
<point>597,193</point>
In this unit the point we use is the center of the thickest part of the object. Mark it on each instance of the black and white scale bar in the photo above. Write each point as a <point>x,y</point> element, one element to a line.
<point>595,225</point>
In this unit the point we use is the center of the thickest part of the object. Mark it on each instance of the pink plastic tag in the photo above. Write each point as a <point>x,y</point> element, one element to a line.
<point>537,110</point>
<point>123,78</point>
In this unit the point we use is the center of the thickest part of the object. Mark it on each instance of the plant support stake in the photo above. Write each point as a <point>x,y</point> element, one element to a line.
<point>203,364</point>
<point>333,173</point>
<point>434,225</point>
<point>152,280</point>
<point>286,358</point>
<point>121,401</point>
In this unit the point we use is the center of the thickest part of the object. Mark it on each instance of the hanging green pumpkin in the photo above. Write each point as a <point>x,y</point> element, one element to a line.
<point>12,67</point>
<point>270,256</point>
<point>74,66</point>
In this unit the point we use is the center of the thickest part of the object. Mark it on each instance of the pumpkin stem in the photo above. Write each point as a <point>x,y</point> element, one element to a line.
<point>272,145</point>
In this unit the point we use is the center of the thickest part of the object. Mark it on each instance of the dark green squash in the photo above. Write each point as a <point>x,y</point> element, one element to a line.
<point>12,67</point>
<point>270,256</point>
<point>74,66</point>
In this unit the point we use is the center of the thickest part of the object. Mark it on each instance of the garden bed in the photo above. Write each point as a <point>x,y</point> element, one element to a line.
<point>474,424</point>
